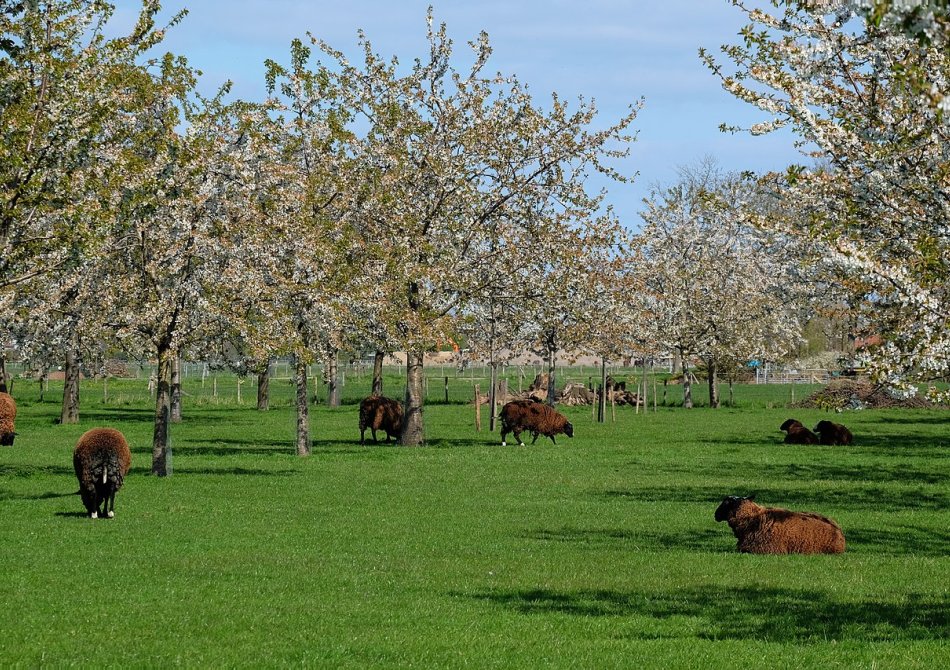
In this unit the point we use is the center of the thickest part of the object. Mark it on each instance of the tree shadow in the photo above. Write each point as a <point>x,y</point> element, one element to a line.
<point>810,472</point>
<point>899,540</point>
<point>375,451</point>
<point>607,538</point>
<point>746,613</point>
<point>872,473</point>
<point>84,515</point>
<point>125,414</point>
<point>285,448</point>
<point>27,470</point>
<point>867,498</point>
<point>942,419</point>
<point>234,471</point>
<point>10,495</point>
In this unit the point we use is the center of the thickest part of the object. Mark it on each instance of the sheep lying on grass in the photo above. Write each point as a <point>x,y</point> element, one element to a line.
<point>7,416</point>
<point>771,530</point>
<point>380,413</point>
<point>833,433</point>
<point>519,415</point>
<point>796,433</point>
<point>101,460</point>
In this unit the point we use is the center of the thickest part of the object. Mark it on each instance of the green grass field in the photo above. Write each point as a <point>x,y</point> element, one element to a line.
<point>598,552</point>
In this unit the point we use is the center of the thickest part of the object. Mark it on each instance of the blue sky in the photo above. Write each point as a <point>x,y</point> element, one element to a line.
<point>614,51</point>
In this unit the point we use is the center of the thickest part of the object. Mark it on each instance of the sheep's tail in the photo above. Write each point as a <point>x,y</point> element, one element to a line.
<point>107,469</point>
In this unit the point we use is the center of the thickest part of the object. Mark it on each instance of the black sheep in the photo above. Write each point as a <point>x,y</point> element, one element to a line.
<point>796,433</point>
<point>833,433</point>
<point>101,460</point>
<point>519,415</point>
<point>772,530</point>
<point>7,416</point>
<point>380,413</point>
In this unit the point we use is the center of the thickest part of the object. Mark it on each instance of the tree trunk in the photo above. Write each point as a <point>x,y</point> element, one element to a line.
<point>677,362</point>
<point>161,442</point>
<point>413,428</point>
<point>4,379</point>
<point>333,381</point>
<point>493,395</point>
<point>552,356</point>
<point>713,380</point>
<point>303,407</point>
<point>687,386</point>
<point>602,400</point>
<point>263,388</point>
<point>70,413</point>
<point>378,373</point>
<point>175,389</point>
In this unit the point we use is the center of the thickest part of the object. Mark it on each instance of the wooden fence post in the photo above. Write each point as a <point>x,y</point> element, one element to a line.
<point>478,409</point>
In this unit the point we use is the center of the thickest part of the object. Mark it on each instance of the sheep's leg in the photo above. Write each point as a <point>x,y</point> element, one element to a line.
<point>110,505</point>
<point>374,435</point>
<point>504,432</point>
<point>535,433</point>
<point>552,439</point>
<point>518,437</point>
<point>362,436</point>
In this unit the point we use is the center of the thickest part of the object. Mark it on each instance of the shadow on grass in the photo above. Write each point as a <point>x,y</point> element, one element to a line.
<point>241,472</point>
<point>123,414</point>
<point>810,472</point>
<point>897,540</point>
<point>942,419</point>
<point>607,538</point>
<point>225,447</point>
<point>84,515</point>
<point>745,613</point>
<point>902,539</point>
<point>26,470</point>
<point>10,495</point>
<point>869,498</point>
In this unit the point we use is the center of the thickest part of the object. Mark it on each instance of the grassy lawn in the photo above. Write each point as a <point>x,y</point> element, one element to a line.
<point>598,552</point>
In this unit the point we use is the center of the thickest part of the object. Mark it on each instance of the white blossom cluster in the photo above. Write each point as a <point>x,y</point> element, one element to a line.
<point>361,204</point>
<point>713,287</point>
<point>869,106</point>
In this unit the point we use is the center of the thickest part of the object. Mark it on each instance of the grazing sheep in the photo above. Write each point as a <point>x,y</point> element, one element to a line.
<point>519,415</point>
<point>7,415</point>
<point>833,433</point>
<point>101,460</point>
<point>796,433</point>
<point>771,530</point>
<point>380,413</point>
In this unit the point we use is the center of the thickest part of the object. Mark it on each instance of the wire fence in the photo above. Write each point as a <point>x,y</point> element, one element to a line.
<point>129,382</point>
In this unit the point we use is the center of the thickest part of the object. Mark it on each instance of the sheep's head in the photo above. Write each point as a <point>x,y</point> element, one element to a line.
<point>824,426</point>
<point>569,429</point>
<point>789,423</point>
<point>6,439</point>
<point>730,505</point>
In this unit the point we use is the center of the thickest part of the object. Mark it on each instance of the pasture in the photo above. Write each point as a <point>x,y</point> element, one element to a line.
<point>598,552</point>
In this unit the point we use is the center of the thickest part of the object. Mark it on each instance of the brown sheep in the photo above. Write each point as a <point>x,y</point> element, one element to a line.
<point>796,433</point>
<point>519,415</point>
<point>771,530</point>
<point>7,416</point>
<point>380,413</point>
<point>833,433</point>
<point>101,460</point>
